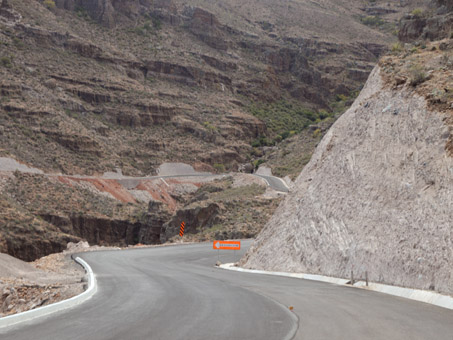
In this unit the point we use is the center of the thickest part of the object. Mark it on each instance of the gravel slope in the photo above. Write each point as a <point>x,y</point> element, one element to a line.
<point>26,286</point>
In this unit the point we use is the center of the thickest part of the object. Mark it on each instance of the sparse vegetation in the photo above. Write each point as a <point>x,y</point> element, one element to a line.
<point>283,119</point>
<point>157,23</point>
<point>82,13</point>
<point>316,133</point>
<point>256,163</point>
<point>397,47</point>
<point>418,12</point>
<point>417,75</point>
<point>371,20</point>
<point>6,62</point>
<point>264,141</point>
<point>447,60</point>
<point>293,167</point>
<point>343,102</point>
<point>233,193</point>
<point>50,4</point>
<point>149,27</point>
<point>219,167</point>
<point>18,42</point>
<point>210,127</point>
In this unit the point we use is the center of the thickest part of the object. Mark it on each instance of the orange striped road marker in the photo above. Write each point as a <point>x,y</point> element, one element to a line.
<point>181,230</point>
<point>229,245</point>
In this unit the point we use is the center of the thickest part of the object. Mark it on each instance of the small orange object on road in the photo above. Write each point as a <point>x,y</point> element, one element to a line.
<point>230,245</point>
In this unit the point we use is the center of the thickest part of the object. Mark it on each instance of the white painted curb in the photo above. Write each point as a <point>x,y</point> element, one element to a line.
<point>55,307</point>
<point>436,299</point>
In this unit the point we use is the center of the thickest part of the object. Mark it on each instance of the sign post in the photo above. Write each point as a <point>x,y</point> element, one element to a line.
<point>227,245</point>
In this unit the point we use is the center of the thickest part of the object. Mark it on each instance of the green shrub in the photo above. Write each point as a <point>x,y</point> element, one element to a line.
<point>256,143</point>
<point>6,62</point>
<point>50,4</point>
<point>219,167</point>
<point>18,42</point>
<point>372,21</point>
<point>323,114</point>
<point>209,126</point>
<point>341,97</point>
<point>149,27</point>
<point>277,139</point>
<point>282,117</point>
<point>82,12</point>
<point>397,47</point>
<point>418,12</point>
<point>256,163</point>
<point>262,141</point>
<point>157,23</point>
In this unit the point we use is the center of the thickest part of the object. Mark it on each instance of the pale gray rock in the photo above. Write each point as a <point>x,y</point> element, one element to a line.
<point>377,196</point>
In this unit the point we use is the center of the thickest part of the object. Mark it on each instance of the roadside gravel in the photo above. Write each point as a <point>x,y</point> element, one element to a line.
<point>56,277</point>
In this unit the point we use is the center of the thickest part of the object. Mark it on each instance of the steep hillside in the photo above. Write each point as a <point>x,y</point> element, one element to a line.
<point>90,86</point>
<point>377,195</point>
<point>124,86</point>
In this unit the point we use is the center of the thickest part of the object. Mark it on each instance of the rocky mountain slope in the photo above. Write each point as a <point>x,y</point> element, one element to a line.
<point>90,86</point>
<point>94,86</point>
<point>377,194</point>
<point>41,213</point>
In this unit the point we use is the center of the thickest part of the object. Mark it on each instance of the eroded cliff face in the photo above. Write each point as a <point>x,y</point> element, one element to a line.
<point>89,86</point>
<point>377,196</point>
<point>41,213</point>
<point>433,24</point>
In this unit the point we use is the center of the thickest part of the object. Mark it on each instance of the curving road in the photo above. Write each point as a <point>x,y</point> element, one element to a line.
<point>175,293</point>
<point>275,183</point>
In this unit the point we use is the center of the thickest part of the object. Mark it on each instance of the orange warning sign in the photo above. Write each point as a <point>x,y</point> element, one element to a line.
<point>231,245</point>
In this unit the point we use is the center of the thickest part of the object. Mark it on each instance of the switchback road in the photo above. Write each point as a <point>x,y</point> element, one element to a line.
<point>175,293</point>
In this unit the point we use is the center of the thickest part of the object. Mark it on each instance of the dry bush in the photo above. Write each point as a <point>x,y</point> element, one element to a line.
<point>417,75</point>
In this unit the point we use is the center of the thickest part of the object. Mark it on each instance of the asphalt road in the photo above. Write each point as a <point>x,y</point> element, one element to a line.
<point>275,183</point>
<point>175,293</point>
